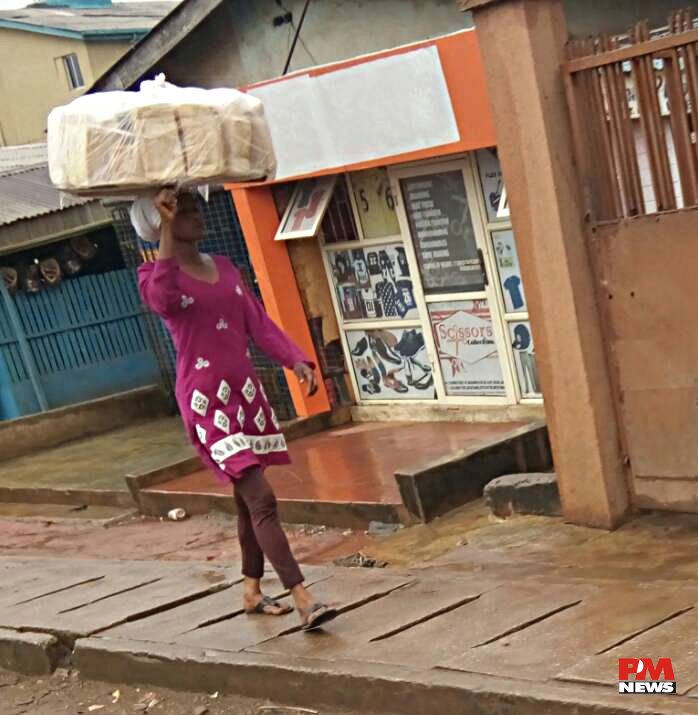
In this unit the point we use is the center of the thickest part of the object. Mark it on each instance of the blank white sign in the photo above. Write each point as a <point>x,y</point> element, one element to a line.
<point>372,110</point>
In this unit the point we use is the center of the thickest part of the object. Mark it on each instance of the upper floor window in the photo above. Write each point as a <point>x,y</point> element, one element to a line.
<point>73,71</point>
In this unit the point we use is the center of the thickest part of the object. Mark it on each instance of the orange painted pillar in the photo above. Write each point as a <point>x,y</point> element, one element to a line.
<point>277,283</point>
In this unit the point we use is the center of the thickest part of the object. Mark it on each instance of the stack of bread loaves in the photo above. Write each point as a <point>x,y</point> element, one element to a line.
<point>129,142</point>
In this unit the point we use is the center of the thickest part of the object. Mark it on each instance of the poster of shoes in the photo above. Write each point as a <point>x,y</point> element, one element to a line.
<point>391,364</point>
<point>509,271</point>
<point>466,346</point>
<point>525,357</point>
<point>373,283</point>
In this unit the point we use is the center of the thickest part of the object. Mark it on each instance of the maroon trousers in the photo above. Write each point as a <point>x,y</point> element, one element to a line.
<point>260,532</point>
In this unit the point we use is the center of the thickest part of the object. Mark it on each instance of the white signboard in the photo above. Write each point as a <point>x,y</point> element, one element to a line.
<point>368,111</point>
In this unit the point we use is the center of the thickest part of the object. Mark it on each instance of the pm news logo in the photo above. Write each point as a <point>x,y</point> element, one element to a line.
<point>648,678</point>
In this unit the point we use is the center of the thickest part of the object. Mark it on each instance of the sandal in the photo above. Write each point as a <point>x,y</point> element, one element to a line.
<point>318,615</point>
<point>264,604</point>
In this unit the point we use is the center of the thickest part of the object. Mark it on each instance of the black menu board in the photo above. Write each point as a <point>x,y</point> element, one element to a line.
<point>442,230</point>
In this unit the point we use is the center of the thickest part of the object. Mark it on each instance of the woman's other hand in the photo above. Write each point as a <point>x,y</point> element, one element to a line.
<point>306,374</point>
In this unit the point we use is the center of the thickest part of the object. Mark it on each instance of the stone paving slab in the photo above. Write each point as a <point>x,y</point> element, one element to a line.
<point>346,588</point>
<point>166,626</point>
<point>398,611</point>
<point>77,598</point>
<point>500,610</point>
<point>676,639</point>
<point>607,618</point>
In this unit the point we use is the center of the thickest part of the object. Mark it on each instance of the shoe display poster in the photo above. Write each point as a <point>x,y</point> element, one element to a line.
<point>391,364</point>
<point>373,283</point>
<point>466,347</point>
<point>525,357</point>
<point>509,271</point>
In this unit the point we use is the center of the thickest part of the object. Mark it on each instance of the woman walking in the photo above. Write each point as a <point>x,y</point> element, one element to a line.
<point>211,316</point>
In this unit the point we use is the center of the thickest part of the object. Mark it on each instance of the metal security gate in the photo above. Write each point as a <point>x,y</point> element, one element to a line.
<point>224,238</point>
<point>633,106</point>
<point>79,340</point>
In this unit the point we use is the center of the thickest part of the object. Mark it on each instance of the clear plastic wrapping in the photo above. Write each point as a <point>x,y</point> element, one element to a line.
<point>119,143</point>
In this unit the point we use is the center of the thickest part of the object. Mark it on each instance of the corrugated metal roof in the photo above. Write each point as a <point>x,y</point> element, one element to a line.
<point>121,16</point>
<point>16,157</point>
<point>27,193</point>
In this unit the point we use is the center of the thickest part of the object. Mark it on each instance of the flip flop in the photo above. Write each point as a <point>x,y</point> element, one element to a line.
<point>268,602</point>
<point>318,615</point>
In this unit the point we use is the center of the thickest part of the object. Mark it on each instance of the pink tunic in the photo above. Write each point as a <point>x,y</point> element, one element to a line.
<point>222,401</point>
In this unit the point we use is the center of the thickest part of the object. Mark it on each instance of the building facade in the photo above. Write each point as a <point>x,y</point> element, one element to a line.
<point>51,55</point>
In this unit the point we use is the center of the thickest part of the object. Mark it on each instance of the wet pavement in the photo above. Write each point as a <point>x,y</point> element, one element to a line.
<point>532,609</point>
<point>102,461</point>
<point>357,462</point>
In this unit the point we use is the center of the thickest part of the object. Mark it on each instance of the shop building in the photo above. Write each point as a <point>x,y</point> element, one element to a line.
<point>388,220</point>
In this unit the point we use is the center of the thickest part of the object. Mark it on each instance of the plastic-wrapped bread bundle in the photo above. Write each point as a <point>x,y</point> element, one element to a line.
<point>126,143</point>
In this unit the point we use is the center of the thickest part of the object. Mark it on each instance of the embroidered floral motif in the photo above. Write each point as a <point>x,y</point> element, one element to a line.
<point>223,393</point>
<point>260,420</point>
<point>222,421</point>
<point>241,417</point>
<point>201,432</point>
<point>199,403</point>
<point>221,324</point>
<point>187,300</point>
<point>263,392</point>
<point>201,363</point>
<point>249,390</point>
<point>274,419</point>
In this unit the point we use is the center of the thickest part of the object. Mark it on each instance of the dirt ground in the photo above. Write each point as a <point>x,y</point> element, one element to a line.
<point>64,692</point>
<point>104,532</point>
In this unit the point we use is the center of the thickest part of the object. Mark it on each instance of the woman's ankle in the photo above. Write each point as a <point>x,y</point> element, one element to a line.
<point>252,586</point>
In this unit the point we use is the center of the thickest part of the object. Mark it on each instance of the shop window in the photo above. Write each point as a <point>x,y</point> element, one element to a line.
<point>465,342</point>
<point>391,364</point>
<point>73,71</point>
<point>492,185</point>
<point>373,283</point>
<point>525,358</point>
<point>375,203</point>
<point>438,213</point>
<point>338,225</point>
<point>507,259</point>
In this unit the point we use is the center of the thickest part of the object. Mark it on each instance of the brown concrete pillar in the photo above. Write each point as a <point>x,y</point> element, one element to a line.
<point>522,44</point>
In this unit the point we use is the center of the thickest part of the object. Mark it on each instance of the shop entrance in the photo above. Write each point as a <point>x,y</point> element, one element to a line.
<point>427,286</point>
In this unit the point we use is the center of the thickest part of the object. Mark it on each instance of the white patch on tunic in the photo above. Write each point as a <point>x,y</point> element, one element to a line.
<point>199,403</point>
<point>201,363</point>
<point>249,390</point>
<point>186,301</point>
<point>222,421</point>
<point>223,393</point>
<point>260,420</point>
<point>221,325</point>
<point>241,417</point>
<point>201,432</point>
<point>233,444</point>
<point>238,290</point>
<point>274,419</point>
<point>264,394</point>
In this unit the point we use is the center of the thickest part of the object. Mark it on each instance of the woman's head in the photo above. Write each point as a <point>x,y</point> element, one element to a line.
<point>188,221</point>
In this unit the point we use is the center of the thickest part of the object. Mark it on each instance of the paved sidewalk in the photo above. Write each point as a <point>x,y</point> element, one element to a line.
<point>530,616</point>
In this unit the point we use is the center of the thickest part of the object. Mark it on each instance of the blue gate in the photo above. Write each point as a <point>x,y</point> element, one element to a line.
<point>74,342</point>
